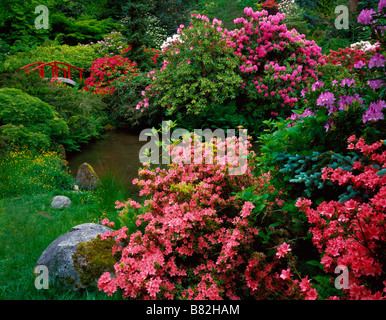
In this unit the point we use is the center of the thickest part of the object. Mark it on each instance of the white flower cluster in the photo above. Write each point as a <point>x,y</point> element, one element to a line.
<point>288,7</point>
<point>364,45</point>
<point>171,40</point>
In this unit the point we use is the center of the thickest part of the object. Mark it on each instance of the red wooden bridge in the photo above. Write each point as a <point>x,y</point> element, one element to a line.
<point>55,66</point>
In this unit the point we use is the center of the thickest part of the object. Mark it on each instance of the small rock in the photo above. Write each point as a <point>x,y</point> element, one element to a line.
<point>60,202</point>
<point>86,176</point>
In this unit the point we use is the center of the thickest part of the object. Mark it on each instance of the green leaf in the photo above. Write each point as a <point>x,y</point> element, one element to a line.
<point>315,263</point>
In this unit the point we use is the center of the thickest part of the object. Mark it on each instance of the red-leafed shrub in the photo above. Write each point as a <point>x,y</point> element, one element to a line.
<point>106,70</point>
<point>352,234</point>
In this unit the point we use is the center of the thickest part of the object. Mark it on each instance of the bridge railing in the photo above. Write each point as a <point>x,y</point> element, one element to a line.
<point>55,66</point>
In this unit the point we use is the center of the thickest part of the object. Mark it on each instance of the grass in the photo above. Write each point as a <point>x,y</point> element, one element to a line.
<point>28,224</point>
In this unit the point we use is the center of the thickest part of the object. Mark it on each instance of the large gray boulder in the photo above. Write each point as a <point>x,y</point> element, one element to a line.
<point>57,257</point>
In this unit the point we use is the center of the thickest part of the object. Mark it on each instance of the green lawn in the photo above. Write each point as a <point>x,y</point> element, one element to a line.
<point>25,232</point>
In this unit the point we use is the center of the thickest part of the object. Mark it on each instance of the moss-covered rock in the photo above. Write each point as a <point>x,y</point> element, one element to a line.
<point>93,258</point>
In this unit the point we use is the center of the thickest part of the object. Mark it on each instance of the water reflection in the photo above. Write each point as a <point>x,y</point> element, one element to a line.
<point>117,152</point>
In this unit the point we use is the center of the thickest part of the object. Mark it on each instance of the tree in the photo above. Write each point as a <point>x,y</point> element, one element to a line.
<point>138,19</point>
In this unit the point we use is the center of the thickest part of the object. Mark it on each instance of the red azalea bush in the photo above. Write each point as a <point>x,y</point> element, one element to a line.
<point>347,57</point>
<point>277,63</point>
<point>106,70</point>
<point>352,234</point>
<point>198,240</point>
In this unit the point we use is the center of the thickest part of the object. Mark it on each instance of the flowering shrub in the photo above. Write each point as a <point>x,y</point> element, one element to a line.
<point>350,56</point>
<point>198,70</point>
<point>352,233</point>
<point>364,45</point>
<point>106,70</point>
<point>276,62</point>
<point>198,238</point>
<point>112,44</point>
<point>346,102</point>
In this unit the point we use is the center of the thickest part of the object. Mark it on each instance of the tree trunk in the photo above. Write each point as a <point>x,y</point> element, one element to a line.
<point>353,5</point>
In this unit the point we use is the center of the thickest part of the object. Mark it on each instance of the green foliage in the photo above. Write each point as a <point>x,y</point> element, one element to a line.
<point>83,112</point>
<point>122,104</point>
<point>112,44</point>
<point>201,71</point>
<point>70,26</point>
<point>83,30</point>
<point>137,20</point>
<point>293,16</point>
<point>26,120</point>
<point>225,10</point>
<point>80,56</point>
<point>222,116</point>
<point>334,44</point>
<point>171,14</point>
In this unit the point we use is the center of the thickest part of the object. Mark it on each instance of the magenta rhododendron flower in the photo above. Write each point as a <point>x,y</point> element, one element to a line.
<point>326,99</point>
<point>365,17</point>
<point>377,60</point>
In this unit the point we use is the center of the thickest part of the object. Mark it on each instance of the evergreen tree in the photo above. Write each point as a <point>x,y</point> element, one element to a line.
<point>136,22</point>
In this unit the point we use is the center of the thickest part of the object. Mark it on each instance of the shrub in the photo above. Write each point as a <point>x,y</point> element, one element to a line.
<point>198,70</point>
<point>276,63</point>
<point>348,57</point>
<point>196,238</point>
<point>83,112</point>
<point>106,70</point>
<point>26,120</point>
<point>80,56</point>
<point>112,44</point>
<point>351,232</point>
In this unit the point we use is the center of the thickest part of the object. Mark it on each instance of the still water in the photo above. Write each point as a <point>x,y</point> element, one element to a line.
<point>118,152</point>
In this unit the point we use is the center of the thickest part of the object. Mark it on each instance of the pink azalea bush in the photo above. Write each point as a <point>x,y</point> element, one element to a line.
<point>276,62</point>
<point>196,239</point>
<point>352,233</point>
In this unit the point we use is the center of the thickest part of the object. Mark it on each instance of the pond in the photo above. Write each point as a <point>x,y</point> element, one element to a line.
<point>117,153</point>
